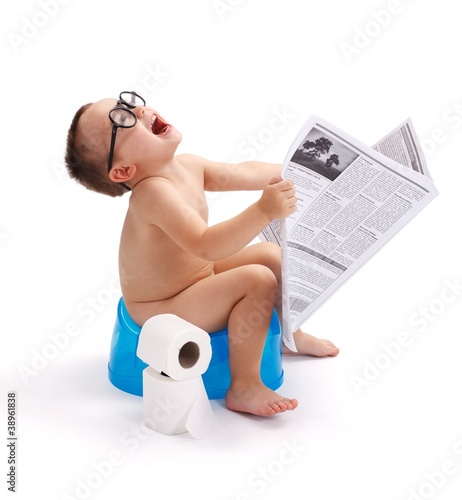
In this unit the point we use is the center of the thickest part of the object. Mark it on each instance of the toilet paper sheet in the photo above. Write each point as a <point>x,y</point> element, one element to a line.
<point>176,407</point>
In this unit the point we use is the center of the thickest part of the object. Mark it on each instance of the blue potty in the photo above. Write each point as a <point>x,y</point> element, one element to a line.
<point>126,369</point>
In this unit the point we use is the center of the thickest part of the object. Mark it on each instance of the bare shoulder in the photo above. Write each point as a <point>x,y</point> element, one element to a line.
<point>151,198</point>
<point>188,159</point>
<point>201,163</point>
<point>194,164</point>
<point>215,175</point>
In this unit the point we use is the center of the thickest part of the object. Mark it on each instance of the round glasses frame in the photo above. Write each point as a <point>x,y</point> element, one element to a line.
<point>121,116</point>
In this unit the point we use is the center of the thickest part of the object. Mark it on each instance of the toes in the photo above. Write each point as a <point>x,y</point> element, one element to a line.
<point>333,349</point>
<point>284,405</point>
<point>291,403</point>
<point>271,409</point>
<point>277,406</point>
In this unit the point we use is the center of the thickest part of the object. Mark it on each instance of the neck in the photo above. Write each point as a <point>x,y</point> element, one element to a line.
<point>171,170</point>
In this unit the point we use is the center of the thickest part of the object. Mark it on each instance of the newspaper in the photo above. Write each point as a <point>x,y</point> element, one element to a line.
<point>351,200</point>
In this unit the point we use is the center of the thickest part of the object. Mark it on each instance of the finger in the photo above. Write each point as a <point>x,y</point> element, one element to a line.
<point>275,180</point>
<point>286,185</point>
<point>293,200</point>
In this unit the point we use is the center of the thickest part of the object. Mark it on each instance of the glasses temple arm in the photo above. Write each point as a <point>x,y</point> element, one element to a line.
<point>111,149</point>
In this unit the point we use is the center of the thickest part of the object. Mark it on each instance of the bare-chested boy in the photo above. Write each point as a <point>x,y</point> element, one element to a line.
<point>170,260</point>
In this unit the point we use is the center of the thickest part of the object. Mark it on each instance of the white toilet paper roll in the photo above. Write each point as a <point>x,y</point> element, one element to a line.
<point>175,407</point>
<point>174,346</point>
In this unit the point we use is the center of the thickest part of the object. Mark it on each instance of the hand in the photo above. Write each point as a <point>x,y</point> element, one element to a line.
<point>278,200</point>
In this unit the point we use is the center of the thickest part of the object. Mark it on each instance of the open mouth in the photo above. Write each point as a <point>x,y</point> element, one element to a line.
<point>158,127</point>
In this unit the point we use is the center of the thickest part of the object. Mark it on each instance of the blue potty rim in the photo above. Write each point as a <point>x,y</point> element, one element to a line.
<point>125,368</point>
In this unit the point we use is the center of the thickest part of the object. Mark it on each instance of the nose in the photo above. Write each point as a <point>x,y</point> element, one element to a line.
<point>139,111</point>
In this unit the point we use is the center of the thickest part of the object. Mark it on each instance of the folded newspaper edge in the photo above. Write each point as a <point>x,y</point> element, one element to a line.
<point>352,199</point>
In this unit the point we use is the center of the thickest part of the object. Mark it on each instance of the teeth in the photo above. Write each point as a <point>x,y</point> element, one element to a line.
<point>158,128</point>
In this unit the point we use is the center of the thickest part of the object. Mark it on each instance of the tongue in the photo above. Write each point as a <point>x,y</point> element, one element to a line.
<point>159,126</point>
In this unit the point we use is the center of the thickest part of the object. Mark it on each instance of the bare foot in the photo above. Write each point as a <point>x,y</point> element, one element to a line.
<point>257,399</point>
<point>309,345</point>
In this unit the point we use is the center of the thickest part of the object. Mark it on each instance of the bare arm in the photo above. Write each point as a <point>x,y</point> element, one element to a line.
<point>245,176</point>
<point>181,222</point>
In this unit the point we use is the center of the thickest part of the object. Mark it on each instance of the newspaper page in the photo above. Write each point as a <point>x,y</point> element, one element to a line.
<point>403,146</point>
<point>351,200</point>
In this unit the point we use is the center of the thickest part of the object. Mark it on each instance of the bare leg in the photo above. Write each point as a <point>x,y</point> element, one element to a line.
<point>269,255</point>
<point>229,298</point>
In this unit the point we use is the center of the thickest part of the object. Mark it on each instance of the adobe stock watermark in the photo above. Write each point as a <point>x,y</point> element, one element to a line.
<point>253,144</point>
<point>261,315</point>
<point>100,471</point>
<point>436,479</point>
<point>279,121</point>
<point>418,322</point>
<point>152,79</point>
<point>32,25</point>
<point>86,312</point>
<point>258,482</point>
<point>451,121</point>
<point>225,7</point>
<point>246,326</point>
<point>84,486</point>
<point>379,20</point>
<point>138,434</point>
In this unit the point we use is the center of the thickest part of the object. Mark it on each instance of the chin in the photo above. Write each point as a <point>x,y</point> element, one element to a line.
<point>177,136</point>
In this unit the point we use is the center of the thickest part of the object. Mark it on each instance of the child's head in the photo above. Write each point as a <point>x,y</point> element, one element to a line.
<point>112,145</point>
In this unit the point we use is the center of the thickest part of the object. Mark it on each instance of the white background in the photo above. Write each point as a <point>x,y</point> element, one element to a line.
<point>223,68</point>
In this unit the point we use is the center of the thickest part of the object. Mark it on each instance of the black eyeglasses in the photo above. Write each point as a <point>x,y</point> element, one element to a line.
<point>122,116</point>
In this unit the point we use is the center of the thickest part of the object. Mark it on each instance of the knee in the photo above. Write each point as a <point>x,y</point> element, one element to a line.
<point>271,258</point>
<point>261,279</point>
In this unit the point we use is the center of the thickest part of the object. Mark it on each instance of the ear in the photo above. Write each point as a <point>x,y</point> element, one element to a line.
<point>122,173</point>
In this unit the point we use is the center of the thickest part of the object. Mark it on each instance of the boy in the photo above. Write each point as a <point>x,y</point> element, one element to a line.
<point>170,260</point>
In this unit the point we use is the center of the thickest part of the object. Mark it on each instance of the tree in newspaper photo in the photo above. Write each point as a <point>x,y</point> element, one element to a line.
<point>324,154</point>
